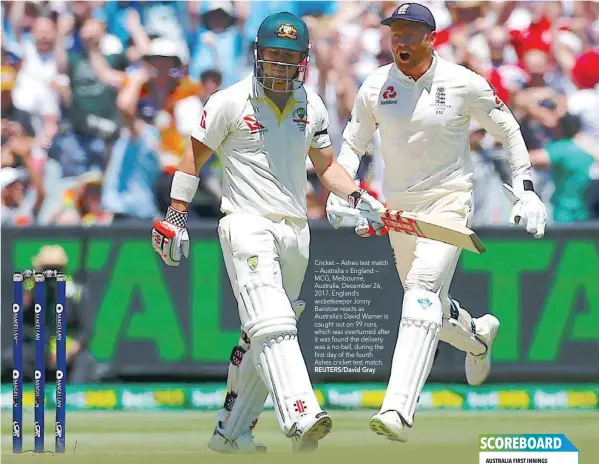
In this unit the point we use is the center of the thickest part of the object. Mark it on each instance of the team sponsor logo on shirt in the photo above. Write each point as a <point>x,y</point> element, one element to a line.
<point>287,31</point>
<point>299,117</point>
<point>203,121</point>
<point>253,124</point>
<point>388,96</point>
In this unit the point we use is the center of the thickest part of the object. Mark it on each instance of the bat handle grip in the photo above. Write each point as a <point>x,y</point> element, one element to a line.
<point>346,211</point>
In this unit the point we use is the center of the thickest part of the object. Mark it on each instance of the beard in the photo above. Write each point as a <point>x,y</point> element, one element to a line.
<point>413,57</point>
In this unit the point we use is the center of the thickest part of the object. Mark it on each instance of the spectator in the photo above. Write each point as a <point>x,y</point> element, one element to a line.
<point>18,19</point>
<point>70,25</point>
<point>20,204</point>
<point>540,57</point>
<point>92,120</point>
<point>207,201</point>
<point>34,93</point>
<point>584,101</point>
<point>166,19</point>
<point>82,203</point>
<point>158,105</point>
<point>539,108</point>
<point>211,81</point>
<point>499,64</point>
<point>491,169</point>
<point>116,15</point>
<point>571,166</point>
<point>136,23</point>
<point>14,121</point>
<point>218,44</point>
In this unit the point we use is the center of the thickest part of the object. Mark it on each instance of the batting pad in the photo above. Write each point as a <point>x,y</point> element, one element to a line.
<point>459,331</point>
<point>283,369</point>
<point>272,329</point>
<point>236,358</point>
<point>251,395</point>
<point>245,385</point>
<point>417,341</point>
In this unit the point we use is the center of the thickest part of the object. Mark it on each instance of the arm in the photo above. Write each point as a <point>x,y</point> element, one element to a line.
<point>21,146</point>
<point>62,87</point>
<point>50,129</point>
<point>137,32</point>
<point>65,26</point>
<point>208,135</point>
<point>527,102</point>
<point>170,238</point>
<point>49,109</point>
<point>339,178</point>
<point>497,120</point>
<point>562,53</point>
<point>128,99</point>
<point>588,144</point>
<point>91,35</point>
<point>17,11</point>
<point>333,176</point>
<point>190,164</point>
<point>503,11</point>
<point>242,11</point>
<point>540,158</point>
<point>358,133</point>
<point>106,74</point>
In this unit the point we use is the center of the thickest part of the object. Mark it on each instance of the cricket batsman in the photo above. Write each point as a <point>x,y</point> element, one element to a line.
<point>263,127</point>
<point>422,106</point>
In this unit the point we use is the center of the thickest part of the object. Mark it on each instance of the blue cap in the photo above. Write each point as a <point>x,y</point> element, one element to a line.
<point>412,12</point>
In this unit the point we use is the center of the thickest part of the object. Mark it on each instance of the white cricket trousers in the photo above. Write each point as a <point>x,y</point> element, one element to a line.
<point>276,252</point>
<point>425,263</point>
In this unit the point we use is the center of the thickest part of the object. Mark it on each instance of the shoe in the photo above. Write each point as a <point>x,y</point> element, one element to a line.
<point>478,367</point>
<point>391,425</point>
<point>244,444</point>
<point>308,431</point>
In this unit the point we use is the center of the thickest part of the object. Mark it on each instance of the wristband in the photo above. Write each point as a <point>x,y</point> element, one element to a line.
<point>528,186</point>
<point>176,217</point>
<point>354,197</point>
<point>522,183</point>
<point>184,186</point>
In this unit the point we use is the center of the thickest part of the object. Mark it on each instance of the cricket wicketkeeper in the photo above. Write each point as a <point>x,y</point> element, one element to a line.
<point>422,106</point>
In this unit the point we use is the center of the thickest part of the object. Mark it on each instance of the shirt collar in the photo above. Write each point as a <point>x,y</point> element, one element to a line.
<point>257,92</point>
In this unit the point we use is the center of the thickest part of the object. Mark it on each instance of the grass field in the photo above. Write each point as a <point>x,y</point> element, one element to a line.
<point>180,437</point>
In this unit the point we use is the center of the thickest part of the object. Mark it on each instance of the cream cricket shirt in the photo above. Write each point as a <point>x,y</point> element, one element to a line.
<point>263,150</point>
<point>424,129</point>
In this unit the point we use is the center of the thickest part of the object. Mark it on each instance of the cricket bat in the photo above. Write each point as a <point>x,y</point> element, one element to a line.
<point>419,224</point>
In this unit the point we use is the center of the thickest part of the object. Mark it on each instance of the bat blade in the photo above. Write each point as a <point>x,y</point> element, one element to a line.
<point>433,228</point>
<point>421,225</point>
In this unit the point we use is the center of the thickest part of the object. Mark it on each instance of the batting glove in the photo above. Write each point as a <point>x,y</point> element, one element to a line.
<point>529,209</point>
<point>334,200</point>
<point>367,225</point>
<point>170,238</point>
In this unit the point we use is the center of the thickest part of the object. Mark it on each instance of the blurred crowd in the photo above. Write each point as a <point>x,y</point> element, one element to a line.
<point>99,97</point>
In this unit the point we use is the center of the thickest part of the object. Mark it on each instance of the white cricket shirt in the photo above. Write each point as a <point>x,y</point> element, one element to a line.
<point>424,132</point>
<point>263,150</point>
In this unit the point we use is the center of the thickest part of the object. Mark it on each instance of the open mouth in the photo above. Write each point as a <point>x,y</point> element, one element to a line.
<point>404,57</point>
